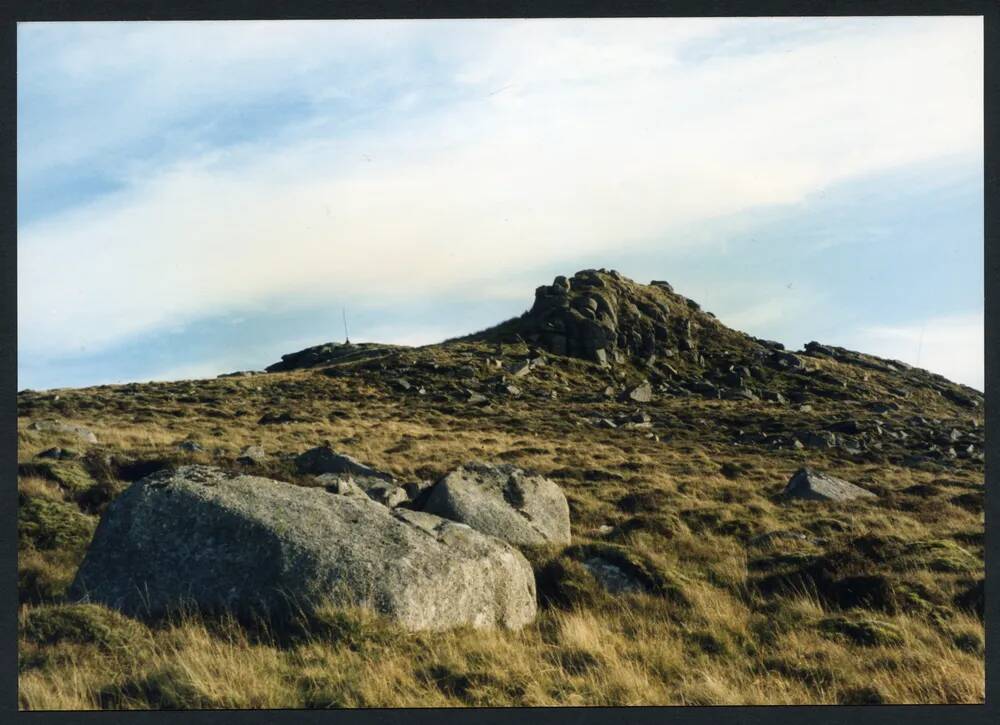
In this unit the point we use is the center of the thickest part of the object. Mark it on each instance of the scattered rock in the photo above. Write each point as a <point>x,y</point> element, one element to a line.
<point>339,483</point>
<point>190,446</point>
<point>520,369</point>
<point>641,393</point>
<point>740,394</point>
<point>323,459</point>
<point>818,439</point>
<point>252,545</point>
<point>881,408</point>
<point>252,455</point>
<point>70,429</point>
<point>815,486</point>
<point>329,354</point>
<point>785,361</point>
<point>59,454</point>
<point>503,501</point>
<point>612,576</point>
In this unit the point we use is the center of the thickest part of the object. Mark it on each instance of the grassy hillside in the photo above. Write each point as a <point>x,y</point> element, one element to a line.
<point>755,599</point>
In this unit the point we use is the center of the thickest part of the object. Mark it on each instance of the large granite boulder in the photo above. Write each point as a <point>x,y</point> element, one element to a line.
<point>218,541</point>
<point>503,501</point>
<point>815,486</point>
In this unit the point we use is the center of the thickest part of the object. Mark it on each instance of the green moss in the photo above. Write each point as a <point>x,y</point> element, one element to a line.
<point>80,624</point>
<point>862,631</point>
<point>43,524</point>
<point>72,476</point>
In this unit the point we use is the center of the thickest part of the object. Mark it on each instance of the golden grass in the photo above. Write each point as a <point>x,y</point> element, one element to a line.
<point>731,644</point>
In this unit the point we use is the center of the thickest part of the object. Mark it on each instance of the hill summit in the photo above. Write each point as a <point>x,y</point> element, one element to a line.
<point>652,334</point>
<point>602,316</point>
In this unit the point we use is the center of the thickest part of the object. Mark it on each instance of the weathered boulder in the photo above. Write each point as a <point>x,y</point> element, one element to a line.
<point>252,545</point>
<point>503,501</point>
<point>70,429</point>
<point>323,459</point>
<point>815,486</point>
<point>384,492</point>
<point>252,455</point>
<point>340,484</point>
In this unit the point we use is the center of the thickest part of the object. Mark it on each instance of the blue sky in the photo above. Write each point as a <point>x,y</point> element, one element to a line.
<point>195,198</point>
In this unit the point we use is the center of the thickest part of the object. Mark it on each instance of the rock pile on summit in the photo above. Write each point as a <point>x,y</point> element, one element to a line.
<point>600,315</point>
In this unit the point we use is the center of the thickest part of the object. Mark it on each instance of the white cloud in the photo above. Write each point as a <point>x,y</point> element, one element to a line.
<point>561,140</point>
<point>950,345</point>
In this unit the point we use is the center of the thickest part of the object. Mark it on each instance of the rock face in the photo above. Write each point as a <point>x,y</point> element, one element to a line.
<point>601,316</point>
<point>247,544</point>
<point>503,501</point>
<point>815,486</point>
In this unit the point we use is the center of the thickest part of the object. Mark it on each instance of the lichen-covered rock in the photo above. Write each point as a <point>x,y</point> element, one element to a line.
<point>68,429</point>
<point>199,536</point>
<point>503,501</point>
<point>815,486</point>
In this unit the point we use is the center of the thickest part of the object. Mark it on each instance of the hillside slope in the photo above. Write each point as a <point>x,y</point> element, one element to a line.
<point>672,436</point>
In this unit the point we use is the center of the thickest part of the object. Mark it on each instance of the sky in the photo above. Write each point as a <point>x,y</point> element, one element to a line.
<point>201,197</point>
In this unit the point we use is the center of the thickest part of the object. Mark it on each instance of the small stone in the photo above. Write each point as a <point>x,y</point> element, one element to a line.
<point>813,485</point>
<point>323,459</point>
<point>252,455</point>
<point>641,393</point>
